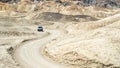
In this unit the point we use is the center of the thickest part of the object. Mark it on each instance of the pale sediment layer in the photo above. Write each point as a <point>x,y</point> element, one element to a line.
<point>98,46</point>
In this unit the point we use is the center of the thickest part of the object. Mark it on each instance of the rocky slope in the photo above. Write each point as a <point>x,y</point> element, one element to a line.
<point>91,39</point>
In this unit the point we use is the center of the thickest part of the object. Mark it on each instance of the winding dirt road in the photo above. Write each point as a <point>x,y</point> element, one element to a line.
<point>29,56</point>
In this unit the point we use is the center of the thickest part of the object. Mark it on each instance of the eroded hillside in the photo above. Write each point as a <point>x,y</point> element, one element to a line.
<point>76,34</point>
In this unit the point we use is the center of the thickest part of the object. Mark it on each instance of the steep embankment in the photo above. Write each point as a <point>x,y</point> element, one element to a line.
<point>93,45</point>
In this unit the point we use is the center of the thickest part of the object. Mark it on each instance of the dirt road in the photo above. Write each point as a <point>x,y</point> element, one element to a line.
<point>29,56</point>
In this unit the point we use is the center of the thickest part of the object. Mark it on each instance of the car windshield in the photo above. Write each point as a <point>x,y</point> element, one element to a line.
<point>40,27</point>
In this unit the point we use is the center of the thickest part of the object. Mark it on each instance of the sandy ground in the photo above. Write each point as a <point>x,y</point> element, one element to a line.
<point>68,41</point>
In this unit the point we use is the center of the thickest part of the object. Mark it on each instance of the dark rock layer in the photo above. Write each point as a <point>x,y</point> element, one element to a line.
<point>50,16</point>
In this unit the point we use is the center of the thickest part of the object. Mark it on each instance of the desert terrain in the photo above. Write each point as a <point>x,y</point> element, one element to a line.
<point>74,36</point>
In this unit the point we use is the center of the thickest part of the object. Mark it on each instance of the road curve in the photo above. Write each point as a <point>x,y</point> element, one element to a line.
<point>28,55</point>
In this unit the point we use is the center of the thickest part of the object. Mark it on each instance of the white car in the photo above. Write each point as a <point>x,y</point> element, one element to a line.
<point>40,29</point>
